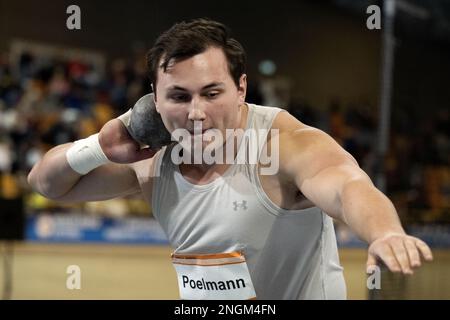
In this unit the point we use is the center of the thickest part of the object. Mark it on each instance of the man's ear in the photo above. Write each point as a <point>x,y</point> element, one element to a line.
<point>242,89</point>
<point>154,97</point>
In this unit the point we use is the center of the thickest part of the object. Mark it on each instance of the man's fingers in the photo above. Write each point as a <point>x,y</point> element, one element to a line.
<point>424,249</point>
<point>371,262</point>
<point>413,253</point>
<point>386,254</point>
<point>401,255</point>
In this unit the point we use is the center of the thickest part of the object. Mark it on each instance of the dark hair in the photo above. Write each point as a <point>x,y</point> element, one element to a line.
<point>187,39</point>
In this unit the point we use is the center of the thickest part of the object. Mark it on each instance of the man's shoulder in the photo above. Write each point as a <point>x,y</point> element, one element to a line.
<point>299,141</point>
<point>290,127</point>
<point>283,123</point>
<point>303,148</point>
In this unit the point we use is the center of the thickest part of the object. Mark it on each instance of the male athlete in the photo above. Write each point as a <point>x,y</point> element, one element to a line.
<point>237,233</point>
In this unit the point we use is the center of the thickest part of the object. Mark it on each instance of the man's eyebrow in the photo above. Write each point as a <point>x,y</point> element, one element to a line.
<point>177,88</point>
<point>214,84</point>
<point>208,86</point>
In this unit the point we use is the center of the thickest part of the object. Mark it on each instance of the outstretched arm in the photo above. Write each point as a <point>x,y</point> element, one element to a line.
<point>331,178</point>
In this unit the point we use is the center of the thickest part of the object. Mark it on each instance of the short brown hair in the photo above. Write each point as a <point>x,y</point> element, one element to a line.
<point>187,39</point>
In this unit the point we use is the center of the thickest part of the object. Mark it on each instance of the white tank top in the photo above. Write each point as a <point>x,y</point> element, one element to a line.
<point>291,254</point>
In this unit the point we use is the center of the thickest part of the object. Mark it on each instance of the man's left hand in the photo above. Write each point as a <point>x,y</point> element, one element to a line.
<point>399,252</point>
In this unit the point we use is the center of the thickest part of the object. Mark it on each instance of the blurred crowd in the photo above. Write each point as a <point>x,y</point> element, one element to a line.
<point>416,166</point>
<point>49,101</point>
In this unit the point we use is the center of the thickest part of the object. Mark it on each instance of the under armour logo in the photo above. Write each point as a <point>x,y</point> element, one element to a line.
<point>242,205</point>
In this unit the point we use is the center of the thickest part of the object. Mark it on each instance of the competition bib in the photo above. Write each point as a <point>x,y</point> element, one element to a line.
<point>222,276</point>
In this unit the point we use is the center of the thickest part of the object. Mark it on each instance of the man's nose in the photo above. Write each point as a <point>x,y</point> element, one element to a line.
<point>196,112</point>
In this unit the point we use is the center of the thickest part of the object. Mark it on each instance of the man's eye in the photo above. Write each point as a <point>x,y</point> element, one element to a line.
<point>180,97</point>
<point>212,94</point>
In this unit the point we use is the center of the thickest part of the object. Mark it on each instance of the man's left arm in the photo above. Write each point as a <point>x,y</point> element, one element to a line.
<point>331,178</point>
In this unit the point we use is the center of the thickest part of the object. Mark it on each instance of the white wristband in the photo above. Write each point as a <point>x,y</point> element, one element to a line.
<point>86,155</point>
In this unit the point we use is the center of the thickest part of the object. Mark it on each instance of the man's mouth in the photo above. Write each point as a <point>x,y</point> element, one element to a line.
<point>197,132</point>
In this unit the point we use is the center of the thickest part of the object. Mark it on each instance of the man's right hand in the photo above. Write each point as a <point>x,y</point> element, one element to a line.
<point>119,146</point>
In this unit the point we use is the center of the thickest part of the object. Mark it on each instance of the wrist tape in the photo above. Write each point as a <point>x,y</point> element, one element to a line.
<point>86,154</point>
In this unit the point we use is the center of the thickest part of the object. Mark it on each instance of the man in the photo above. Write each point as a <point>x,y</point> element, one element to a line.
<point>237,233</point>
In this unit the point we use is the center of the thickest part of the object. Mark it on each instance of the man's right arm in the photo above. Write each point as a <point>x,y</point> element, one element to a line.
<point>54,178</point>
